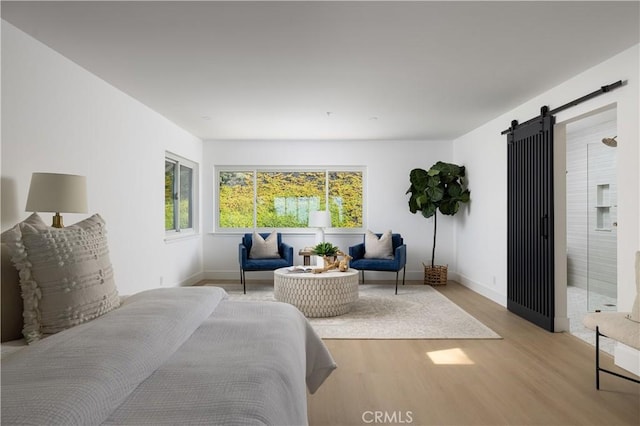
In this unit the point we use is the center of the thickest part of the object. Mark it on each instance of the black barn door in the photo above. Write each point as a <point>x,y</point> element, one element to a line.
<point>530,268</point>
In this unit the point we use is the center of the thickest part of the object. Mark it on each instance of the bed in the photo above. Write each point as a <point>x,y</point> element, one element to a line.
<point>167,356</point>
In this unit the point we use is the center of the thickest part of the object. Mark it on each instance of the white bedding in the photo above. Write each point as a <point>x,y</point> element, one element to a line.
<point>169,356</point>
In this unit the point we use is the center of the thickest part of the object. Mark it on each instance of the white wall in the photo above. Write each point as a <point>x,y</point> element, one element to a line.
<point>57,117</point>
<point>387,163</point>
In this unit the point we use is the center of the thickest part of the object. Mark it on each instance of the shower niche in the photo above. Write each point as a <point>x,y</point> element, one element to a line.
<point>603,207</point>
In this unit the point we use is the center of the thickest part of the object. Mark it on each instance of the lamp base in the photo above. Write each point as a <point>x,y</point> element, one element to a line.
<point>57,221</point>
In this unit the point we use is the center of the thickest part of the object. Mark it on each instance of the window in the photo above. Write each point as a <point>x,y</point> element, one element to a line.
<point>284,199</point>
<point>280,198</point>
<point>345,199</point>
<point>235,199</point>
<point>179,189</point>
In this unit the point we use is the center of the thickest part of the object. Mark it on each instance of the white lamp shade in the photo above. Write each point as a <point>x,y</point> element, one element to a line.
<point>320,219</point>
<point>58,193</point>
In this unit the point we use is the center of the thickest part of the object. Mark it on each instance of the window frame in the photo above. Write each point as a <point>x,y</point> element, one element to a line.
<point>177,231</point>
<point>305,230</point>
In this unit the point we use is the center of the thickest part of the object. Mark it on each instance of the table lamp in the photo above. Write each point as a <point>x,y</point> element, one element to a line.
<point>320,219</point>
<point>54,192</point>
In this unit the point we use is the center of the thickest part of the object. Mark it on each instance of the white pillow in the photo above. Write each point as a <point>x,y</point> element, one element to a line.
<point>262,248</point>
<point>65,275</point>
<point>13,235</point>
<point>12,305</point>
<point>378,248</point>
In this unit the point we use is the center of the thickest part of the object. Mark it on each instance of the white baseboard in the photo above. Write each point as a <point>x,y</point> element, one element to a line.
<point>233,275</point>
<point>195,278</point>
<point>627,357</point>
<point>561,324</point>
<point>479,288</point>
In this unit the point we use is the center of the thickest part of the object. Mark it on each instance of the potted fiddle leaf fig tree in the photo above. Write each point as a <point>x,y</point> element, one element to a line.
<point>441,188</point>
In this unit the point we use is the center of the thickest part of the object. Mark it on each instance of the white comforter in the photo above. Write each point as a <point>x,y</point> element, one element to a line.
<point>171,356</point>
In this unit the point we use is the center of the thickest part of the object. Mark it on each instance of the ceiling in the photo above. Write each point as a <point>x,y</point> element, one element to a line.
<point>332,70</point>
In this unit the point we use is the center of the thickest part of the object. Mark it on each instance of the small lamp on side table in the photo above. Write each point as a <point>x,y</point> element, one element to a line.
<point>319,219</point>
<point>55,193</point>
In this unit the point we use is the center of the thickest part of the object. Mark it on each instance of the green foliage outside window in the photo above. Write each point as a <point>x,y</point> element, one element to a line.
<point>169,169</point>
<point>236,199</point>
<point>186,211</point>
<point>178,196</point>
<point>169,220</point>
<point>283,199</point>
<point>345,199</point>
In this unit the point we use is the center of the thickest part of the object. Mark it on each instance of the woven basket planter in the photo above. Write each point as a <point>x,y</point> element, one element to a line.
<point>435,275</point>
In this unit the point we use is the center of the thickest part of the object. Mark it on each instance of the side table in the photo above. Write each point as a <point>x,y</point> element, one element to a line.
<point>306,254</point>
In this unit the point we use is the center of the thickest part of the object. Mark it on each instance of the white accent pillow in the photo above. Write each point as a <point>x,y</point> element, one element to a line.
<point>264,248</point>
<point>13,235</point>
<point>11,311</point>
<point>12,305</point>
<point>378,248</point>
<point>66,276</point>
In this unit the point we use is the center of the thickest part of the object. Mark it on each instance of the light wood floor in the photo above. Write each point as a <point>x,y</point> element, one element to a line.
<point>530,377</point>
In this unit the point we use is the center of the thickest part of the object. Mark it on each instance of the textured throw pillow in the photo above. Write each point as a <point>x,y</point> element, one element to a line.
<point>264,248</point>
<point>11,297</point>
<point>11,312</point>
<point>65,275</point>
<point>14,235</point>
<point>378,248</point>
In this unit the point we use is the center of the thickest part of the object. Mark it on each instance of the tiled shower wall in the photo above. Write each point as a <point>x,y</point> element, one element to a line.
<point>591,205</point>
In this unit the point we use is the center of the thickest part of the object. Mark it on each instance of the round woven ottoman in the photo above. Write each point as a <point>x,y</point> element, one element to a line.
<point>328,294</point>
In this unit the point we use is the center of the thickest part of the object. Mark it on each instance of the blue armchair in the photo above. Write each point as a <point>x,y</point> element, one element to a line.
<point>393,265</point>
<point>248,264</point>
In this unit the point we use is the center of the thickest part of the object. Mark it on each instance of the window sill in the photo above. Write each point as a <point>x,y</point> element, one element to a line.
<point>176,237</point>
<point>290,231</point>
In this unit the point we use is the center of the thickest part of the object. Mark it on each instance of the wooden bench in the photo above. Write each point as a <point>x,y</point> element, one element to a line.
<point>623,327</point>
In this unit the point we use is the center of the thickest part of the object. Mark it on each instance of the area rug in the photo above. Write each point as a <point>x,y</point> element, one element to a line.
<point>417,312</point>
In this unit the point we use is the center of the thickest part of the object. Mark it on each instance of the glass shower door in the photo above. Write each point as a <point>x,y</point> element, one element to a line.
<point>601,228</point>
